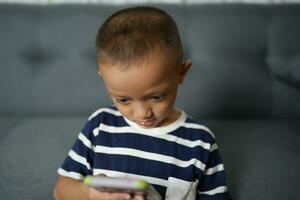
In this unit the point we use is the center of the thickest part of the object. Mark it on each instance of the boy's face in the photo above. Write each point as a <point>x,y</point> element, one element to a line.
<point>145,92</point>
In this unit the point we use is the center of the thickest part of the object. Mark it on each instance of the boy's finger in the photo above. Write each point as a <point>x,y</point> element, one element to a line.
<point>98,195</point>
<point>117,196</point>
<point>138,197</point>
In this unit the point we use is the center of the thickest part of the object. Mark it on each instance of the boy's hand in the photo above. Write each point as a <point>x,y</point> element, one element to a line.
<point>95,194</point>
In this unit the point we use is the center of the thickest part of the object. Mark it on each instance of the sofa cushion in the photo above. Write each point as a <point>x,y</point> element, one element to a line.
<point>31,150</point>
<point>238,53</point>
<point>229,76</point>
<point>283,59</point>
<point>261,157</point>
<point>47,53</point>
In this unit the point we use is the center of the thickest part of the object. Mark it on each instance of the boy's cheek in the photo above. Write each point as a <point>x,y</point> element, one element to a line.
<point>123,110</point>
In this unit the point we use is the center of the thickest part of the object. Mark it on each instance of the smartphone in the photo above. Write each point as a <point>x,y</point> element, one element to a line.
<point>109,184</point>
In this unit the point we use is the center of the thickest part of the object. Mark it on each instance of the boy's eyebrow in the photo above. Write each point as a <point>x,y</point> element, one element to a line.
<point>116,95</point>
<point>156,91</point>
<point>123,97</point>
<point>143,97</point>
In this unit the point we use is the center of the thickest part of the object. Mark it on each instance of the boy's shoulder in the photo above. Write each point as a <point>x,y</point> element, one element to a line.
<point>101,112</point>
<point>196,129</point>
<point>109,116</point>
<point>196,123</point>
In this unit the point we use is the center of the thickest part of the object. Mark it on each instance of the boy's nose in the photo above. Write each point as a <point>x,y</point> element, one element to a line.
<point>142,111</point>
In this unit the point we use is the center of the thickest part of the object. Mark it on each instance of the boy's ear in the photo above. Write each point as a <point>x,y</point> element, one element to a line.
<point>184,69</point>
<point>99,73</point>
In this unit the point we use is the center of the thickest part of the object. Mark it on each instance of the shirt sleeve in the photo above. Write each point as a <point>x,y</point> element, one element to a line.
<point>79,160</point>
<point>212,184</point>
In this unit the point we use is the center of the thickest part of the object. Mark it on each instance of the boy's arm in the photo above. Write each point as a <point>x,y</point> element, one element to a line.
<point>72,189</point>
<point>212,185</point>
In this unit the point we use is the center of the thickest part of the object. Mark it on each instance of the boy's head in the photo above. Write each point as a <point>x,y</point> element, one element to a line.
<point>140,59</point>
<point>130,34</point>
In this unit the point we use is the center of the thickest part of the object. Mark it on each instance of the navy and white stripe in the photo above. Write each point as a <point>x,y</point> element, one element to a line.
<point>183,152</point>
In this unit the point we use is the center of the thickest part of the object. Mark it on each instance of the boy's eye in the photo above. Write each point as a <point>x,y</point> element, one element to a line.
<point>158,97</point>
<point>123,101</point>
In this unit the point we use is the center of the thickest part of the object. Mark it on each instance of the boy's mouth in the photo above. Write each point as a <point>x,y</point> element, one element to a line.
<point>149,123</point>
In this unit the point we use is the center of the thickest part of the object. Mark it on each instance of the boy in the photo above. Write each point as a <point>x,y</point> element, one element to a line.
<point>144,136</point>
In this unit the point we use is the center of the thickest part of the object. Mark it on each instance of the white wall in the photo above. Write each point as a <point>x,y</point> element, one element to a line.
<point>148,1</point>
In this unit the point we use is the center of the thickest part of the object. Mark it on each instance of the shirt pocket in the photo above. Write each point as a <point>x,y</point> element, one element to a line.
<point>180,189</point>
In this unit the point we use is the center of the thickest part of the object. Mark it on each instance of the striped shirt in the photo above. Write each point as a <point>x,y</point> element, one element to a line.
<point>180,160</point>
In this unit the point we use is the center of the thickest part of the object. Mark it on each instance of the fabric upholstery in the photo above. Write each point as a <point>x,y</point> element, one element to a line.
<point>244,85</point>
<point>245,59</point>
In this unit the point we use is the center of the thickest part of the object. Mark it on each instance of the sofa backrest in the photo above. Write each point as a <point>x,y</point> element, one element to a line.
<point>246,59</point>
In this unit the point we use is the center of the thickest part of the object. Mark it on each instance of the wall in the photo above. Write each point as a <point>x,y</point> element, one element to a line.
<point>147,1</point>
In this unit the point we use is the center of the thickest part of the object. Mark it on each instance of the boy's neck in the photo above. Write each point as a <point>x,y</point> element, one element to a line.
<point>171,118</point>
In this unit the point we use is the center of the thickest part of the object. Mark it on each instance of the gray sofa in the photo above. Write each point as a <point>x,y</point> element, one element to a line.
<point>244,85</point>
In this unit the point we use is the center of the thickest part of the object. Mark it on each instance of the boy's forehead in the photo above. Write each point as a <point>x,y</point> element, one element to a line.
<point>145,76</point>
<point>149,70</point>
<point>158,59</point>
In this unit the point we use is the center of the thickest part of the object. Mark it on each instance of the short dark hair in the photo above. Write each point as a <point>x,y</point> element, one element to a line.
<point>131,33</point>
